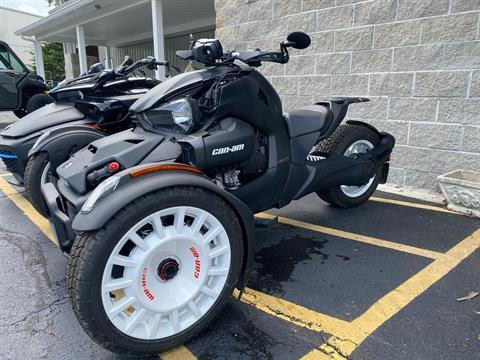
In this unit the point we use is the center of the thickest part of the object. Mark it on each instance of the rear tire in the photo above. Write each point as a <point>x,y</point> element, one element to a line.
<point>90,271</point>
<point>38,101</point>
<point>339,143</point>
<point>37,172</point>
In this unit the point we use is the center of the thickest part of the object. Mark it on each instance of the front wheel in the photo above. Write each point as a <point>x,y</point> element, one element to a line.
<point>158,272</point>
<point>349,140</point>
<point>37,172</point>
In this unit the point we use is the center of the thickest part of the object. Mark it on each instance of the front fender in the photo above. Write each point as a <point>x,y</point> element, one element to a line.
<point>130,189</point>
<point>61,143</point>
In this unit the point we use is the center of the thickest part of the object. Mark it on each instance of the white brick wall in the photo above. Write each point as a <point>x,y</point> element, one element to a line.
<point>418,60</point>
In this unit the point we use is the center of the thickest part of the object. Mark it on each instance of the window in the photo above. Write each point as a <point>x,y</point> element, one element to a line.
<point>8,61</point>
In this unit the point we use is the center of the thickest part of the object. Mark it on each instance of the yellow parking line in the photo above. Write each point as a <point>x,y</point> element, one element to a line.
<point>356,237</point>
<point>293,313</point>
<point>396,300</point>
<point>413,205</point>
<point>180,353</point>
<point>27,208</point>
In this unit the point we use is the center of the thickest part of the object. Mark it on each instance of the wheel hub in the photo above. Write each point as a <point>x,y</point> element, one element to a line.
<point>168,269</point>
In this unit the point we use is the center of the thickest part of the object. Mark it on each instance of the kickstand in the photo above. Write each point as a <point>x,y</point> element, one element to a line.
<point>265,223</point>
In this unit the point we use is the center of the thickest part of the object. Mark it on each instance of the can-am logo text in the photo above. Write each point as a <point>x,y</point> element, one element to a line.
<point>227,150</point>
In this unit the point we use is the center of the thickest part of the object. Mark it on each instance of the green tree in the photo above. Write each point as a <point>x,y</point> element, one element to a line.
<point>53,61</point>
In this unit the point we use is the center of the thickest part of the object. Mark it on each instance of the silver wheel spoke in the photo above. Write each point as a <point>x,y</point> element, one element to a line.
<point>179,220</point>
<point>218,252</point>
<point>117,284</point>
<point>123,261</point>
<point>134,319</point>
<point>153,327</point>
<point>194,309</point>
<point>137,240</point>
<point>121,305</point>
<point>210,235</point>
<point>209,292</point>
<point>175,321</point>
<point>198,223</point>
<point>217,272</point>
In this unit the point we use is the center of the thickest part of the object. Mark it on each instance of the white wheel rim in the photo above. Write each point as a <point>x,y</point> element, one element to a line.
<point>358,147</point>
<point>44,177</point>
<point>139,302</point>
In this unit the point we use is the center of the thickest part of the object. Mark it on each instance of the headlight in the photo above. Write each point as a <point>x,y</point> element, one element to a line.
<point>177,115</point>
<point>100,191</point>
<point>39,140</point>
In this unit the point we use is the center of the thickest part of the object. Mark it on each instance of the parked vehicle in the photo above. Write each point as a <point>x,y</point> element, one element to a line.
<point>108,107</point>
<point>21,91</point>
<point>164,212</point>
<point>112,90</point>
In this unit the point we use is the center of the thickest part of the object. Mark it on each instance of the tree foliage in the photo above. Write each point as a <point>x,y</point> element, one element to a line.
<point>53,61</point>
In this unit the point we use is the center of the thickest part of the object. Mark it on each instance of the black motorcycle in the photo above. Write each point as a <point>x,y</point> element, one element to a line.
<point>85,109</point>
<point>164,212</point>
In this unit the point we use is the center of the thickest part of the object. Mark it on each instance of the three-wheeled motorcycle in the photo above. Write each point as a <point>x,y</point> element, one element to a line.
<point>107,103</point>
<point>159,220</point>
<point>85,109</point>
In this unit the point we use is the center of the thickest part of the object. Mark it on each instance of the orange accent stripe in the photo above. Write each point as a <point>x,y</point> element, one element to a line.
<point>155,168</point>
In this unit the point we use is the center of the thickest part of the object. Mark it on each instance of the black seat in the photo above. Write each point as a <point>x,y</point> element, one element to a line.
<point>308,119</point>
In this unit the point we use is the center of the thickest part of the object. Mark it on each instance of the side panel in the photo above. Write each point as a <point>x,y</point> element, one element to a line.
<point>253,100</point>
<point>60,144</point>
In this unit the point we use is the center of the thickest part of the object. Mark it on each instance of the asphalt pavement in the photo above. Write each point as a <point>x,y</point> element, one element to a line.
<point>377,282</point>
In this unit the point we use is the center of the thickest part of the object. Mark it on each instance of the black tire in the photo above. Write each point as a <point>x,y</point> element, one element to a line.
<point>33,180</point>
<point>20,113</point>
<point>38,101</point>
<point>90,253</point>
<point>337,144</point>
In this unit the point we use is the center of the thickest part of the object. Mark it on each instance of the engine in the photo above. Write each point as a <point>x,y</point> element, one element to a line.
<point>232,152</point>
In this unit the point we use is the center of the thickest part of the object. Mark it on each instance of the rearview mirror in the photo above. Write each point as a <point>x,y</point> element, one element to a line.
<point>298,40</point>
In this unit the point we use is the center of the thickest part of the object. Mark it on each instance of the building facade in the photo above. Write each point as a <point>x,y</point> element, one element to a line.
<point>10,21</point>
<point>418,61</point>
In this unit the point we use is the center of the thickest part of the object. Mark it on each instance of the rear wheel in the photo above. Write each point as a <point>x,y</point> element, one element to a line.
<point>37,172</point>
<point>158,272</point>
<point>349,140</point>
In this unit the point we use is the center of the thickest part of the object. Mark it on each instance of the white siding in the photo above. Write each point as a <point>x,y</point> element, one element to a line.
<point>11,21</point>
<point>172,44</point>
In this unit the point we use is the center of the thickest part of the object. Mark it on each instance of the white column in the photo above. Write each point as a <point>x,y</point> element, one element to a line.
<point>158,38</point>
<point>39,59</point>
<point>82,52</point>
<point>108,62</point>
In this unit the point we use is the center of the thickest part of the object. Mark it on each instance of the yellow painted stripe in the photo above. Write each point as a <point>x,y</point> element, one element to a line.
<point>27,208</point>
<point>178,353</point>
<point>413,205</point>
<point>293,313</point>
<point>398,299</point>
<point>356,237</point>
<point>324,352</point>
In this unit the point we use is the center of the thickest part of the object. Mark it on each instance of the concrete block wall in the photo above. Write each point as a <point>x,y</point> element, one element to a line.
<point>418,61</point>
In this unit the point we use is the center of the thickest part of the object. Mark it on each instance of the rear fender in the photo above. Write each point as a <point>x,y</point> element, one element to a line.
<point>61,143</point>
<point>386,145</point>
<point>130,189</point>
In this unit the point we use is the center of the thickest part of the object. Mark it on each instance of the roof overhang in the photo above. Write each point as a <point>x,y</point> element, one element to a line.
<point>119,22</point>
